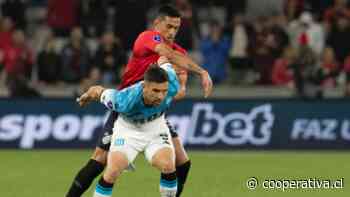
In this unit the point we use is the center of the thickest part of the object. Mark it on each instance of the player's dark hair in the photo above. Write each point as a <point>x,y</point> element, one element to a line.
<point>156,74</point>
<point>168,10</point>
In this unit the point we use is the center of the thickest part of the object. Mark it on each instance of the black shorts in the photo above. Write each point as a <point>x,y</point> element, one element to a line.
<point>104,140</point>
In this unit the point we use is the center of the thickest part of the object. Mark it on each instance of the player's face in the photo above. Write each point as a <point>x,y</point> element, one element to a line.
<point>154,93</point>
<point>168,27</point>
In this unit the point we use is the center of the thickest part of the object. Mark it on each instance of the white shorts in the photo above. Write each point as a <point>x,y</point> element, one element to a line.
<point>131,139</point>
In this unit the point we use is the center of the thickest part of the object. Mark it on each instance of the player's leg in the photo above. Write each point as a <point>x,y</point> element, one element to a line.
<point>123,151</point>
<point>183,163</point>
<point>117,162</point>
<point>88,173</point>
<point>95,166</point>
<point>160,153</point>
<point>164,160</point>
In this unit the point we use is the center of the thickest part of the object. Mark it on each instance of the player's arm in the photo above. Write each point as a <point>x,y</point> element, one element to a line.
<point>92,94</point>
<point>178,58</point>
<point>187,63</point>
<point>113,99</point>
<point>153,41</point>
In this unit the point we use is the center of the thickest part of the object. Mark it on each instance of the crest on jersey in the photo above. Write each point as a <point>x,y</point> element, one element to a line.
<point>157,38</point>
<point>106,138</point>
<point>119,142</point>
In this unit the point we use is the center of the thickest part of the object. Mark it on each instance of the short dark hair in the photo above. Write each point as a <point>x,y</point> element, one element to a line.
<point>168,10</point>
<point>156,74</point>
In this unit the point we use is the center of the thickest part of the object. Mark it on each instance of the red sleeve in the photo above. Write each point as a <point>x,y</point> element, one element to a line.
<point>149,40</point>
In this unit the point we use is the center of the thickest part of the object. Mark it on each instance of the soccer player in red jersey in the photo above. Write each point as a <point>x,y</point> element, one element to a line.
<point>148,47</point>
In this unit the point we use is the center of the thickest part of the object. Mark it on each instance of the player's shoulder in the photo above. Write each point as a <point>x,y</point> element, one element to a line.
<point>134,87</point>
<point>172,77</point>
<point>131,93</point>
<point>150,34</point>
<point>167,67</point>
<point>170,71</point>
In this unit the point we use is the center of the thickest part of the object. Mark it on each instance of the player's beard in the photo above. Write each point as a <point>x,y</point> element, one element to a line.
<point>156,102</point>
<point>152,102</point>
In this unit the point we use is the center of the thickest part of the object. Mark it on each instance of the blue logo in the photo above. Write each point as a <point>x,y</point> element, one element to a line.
<point>119,142</point>
<point>157,38</point>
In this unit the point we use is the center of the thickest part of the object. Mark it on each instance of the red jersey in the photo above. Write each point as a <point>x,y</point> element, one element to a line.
<point>143,55</point>
<point>5,39</point>
<point>17,59</point>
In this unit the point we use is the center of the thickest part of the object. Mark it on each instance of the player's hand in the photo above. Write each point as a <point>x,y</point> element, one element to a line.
<point>93,94</point>
<point>207,83</point>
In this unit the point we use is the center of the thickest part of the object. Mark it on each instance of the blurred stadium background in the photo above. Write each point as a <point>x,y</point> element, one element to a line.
<point>279,110</point>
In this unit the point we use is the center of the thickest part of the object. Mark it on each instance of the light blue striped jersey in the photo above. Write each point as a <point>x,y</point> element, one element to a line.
<point>129,101</point>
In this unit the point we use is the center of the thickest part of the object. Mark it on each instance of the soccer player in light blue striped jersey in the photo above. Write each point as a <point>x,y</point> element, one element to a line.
<point>141,126</point>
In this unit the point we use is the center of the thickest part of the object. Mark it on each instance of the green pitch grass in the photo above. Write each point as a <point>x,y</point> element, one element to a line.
<point>214,174</point>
